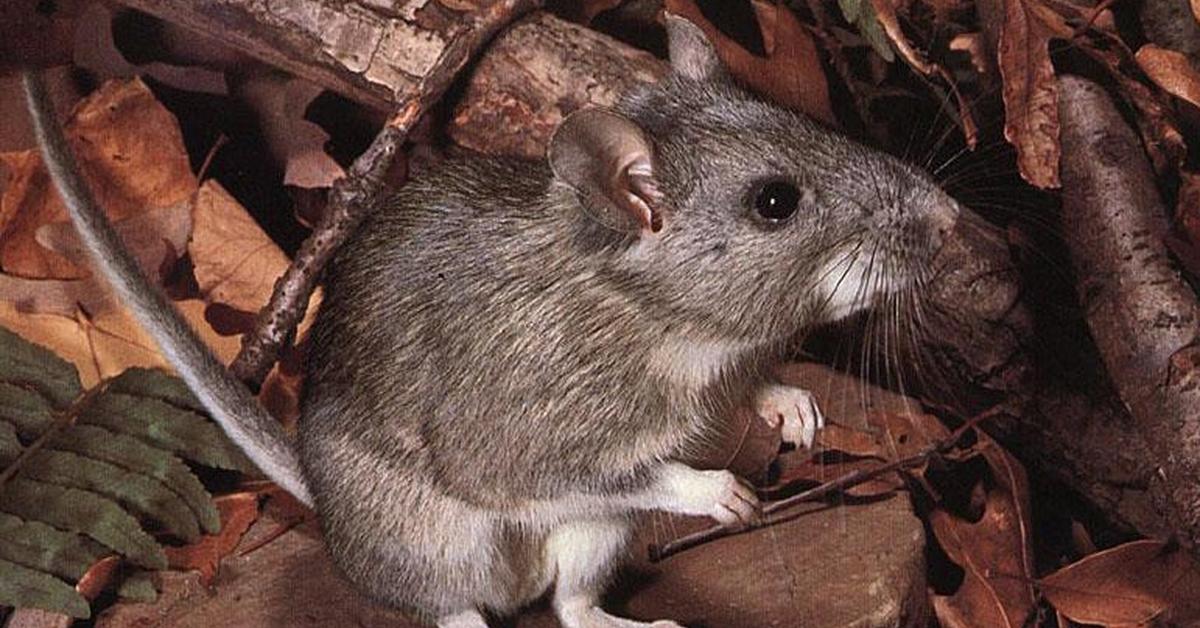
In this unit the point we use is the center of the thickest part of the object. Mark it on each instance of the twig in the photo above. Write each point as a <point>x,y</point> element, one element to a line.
<point>663,551</point>
<point>356,194</point>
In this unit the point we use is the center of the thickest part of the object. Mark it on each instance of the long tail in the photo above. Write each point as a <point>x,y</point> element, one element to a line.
<point>237,411</point>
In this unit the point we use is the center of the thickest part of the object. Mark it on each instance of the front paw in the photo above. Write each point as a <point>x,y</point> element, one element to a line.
<point>793,411</point>
<point>717,494</point>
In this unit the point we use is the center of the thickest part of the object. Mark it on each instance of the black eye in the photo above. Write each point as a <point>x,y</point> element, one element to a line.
<point>777,200</point>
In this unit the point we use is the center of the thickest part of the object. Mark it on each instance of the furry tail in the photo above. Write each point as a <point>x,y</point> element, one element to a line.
<point>237,411</point>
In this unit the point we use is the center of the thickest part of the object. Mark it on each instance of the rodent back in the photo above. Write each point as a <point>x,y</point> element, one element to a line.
<point>473,323</point>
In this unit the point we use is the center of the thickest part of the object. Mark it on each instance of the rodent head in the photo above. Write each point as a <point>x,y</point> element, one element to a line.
<point>751,220</point>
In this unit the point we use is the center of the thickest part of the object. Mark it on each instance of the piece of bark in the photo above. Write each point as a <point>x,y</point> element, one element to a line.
<point>378,53</point>
<point>537,72</point>
<point>1143,316</point>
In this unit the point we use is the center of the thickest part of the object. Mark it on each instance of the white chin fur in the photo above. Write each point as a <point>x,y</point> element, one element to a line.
<point>849,284</point>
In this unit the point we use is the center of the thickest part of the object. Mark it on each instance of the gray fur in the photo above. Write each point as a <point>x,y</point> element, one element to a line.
<point>497,381</point>
<point>484,343</point>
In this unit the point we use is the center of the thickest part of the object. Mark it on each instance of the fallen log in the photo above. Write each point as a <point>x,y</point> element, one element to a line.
<point>1143,316</point>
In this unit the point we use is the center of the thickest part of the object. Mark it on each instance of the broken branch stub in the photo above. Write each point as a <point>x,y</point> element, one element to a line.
<point>1144,318</point>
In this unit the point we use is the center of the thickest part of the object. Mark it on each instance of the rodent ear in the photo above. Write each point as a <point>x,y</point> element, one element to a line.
<point>608,161</point>
<point>692,55</point>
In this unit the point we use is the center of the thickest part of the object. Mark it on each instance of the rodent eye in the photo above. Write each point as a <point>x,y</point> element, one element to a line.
<point>777,200</point>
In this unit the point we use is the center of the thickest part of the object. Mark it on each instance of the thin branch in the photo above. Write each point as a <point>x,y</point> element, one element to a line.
<point>663,551</point>
<point>356,194</point>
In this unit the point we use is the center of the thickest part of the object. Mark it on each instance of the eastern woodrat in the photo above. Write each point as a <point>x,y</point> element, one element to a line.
<point>513,356</point>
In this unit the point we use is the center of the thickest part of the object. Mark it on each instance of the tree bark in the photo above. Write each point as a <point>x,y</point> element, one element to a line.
<point>1143,317</point>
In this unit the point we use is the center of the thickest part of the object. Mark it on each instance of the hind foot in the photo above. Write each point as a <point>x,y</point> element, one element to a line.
<point>465,619</point>
<point>793,411</point>
<point>583,614</point>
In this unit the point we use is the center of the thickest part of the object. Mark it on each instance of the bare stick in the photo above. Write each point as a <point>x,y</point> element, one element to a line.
<point>1142,314</point>
<point>355,194</point>
<point>663,551</point>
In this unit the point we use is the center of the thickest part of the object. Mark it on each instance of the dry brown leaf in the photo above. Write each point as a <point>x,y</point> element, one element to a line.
<point>1196,9</point>
<point>790,74</point>
<point>296,143</point>
<point>98,577</point>
<point>155,238</point>
<point>976,48</point>
<point>994,551</point>
<point>96,51</point>
<point>848,440</point>
<point>1172,71</point>
<point>1030,90</point>
<point>885,13</point>
<point>801,466</point>
<point>589,9</point>
<point>1132,583</point>
<point>238,512</point>
<point>130,150</point>
<point>104,345</point>
<point>235,262</point>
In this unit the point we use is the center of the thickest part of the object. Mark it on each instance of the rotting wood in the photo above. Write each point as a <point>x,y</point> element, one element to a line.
<point>374,52</point>
<point>537,72</point>
<point>1144,318</point>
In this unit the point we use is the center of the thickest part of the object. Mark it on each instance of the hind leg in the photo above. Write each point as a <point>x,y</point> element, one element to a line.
<point>584,555</point>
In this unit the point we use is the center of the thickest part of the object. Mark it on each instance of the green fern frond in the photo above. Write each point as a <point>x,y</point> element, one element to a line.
<point>81,473</point>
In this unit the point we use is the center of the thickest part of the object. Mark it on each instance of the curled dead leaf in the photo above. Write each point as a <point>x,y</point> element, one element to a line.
<point>238,512</point>
<point>296,143</point>
<point>130,150</point>
<point>1030,90</point>
<point>993,551</point>
<point>790,74</point>
<point>1129,584</point>
<point>1172,71</point>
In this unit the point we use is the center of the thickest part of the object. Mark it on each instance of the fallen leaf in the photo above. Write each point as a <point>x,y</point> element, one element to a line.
<point>235,262</point>
<point>885,14</point>
<point>589,9</point>
<point>975,47</point>
<point>803,467</point>
<point>155,239</point>
<point>1132,583</point>
<point>131,152</point>
<point>238,512</point>
<point>993,551</point>
<point>790,74</point>
<point>1030,91</point>
<point>298,144</point>
<point>98,577</point>
<point>103,345</point>
<point>849,440</point>
<point>1172,71</point>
